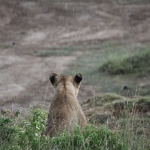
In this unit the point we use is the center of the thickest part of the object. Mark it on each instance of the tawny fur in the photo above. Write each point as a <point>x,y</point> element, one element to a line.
<point>65,111</point>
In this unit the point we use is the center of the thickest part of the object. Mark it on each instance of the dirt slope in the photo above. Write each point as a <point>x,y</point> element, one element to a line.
<point>27,26</point>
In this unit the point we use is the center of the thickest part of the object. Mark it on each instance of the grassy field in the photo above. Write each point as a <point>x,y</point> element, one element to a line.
<point>128,116</point>
<point>126,127</point>
<point>116,122</point>
<point>112,66</point>
<point>117,72</point>
<point>109,67</point>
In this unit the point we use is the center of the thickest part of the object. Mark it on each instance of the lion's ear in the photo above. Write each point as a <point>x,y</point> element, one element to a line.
<point>78,78</point>
<point>53,78</point>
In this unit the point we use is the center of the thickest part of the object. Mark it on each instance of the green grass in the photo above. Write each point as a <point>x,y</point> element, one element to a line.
<point>90,62</point>
<point>139,64</point>
<point>26,134</point>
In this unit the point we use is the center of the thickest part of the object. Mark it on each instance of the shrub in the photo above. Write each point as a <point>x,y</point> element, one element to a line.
<point>6,131</point>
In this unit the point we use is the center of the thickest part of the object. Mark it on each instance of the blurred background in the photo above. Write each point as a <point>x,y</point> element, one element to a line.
<point>107,41</point>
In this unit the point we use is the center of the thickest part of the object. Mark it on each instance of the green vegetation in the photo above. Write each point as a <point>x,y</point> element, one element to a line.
<point>26,134</point>
<point>130,126</point>
<point>111,65</point>
<point>136,64</point>
<point>127,115</point>
<point>23,134</point>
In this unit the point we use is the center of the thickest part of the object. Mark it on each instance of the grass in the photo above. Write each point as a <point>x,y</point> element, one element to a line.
<point>102,99</point>
<point>115,102</point>
<point>109,66</point>
<point>130,127</point>
<point>26,135</point>
<point>91,62</point>
<point>138,64</point>
<point>127,115</point>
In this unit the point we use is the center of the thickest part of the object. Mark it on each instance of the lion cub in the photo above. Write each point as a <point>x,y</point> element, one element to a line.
<point>65,111</point>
